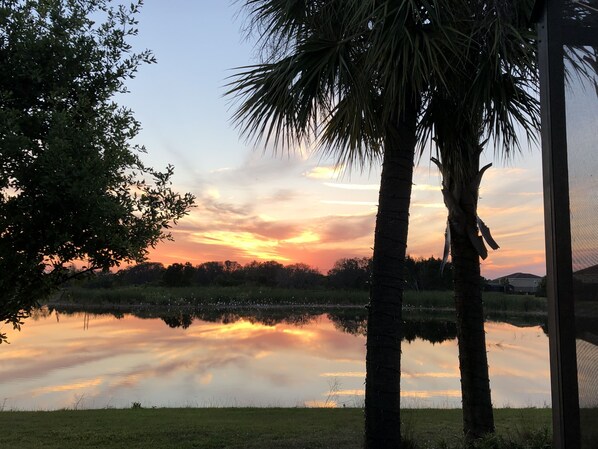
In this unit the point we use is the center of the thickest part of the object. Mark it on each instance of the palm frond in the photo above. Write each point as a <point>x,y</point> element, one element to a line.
<point>336,72</point>
<point>319,91</point>
<point>488,91</point>
<point>412,43</point>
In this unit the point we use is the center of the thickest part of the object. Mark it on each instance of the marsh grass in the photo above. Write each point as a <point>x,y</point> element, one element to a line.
<point>183,296</point>
<point>264,296</point>
<point>526,428</point>
<point>514,303</point>
<point>493,301</point>
<point>262,428</point>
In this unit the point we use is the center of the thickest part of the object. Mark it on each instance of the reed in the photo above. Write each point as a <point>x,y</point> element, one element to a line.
<point>247,296</point>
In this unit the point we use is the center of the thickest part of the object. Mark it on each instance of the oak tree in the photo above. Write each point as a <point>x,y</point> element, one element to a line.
<point>72,185</point>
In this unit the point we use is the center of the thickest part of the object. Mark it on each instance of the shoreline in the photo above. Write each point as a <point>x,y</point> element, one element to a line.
<point>73,306</point>
<point>271,298</point>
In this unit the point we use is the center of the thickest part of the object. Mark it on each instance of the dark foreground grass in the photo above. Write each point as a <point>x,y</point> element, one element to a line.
<point>252,428</point>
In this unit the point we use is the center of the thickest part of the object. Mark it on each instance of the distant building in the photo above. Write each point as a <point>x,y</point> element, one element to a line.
<point>497,286</point>
<point>525,283</point>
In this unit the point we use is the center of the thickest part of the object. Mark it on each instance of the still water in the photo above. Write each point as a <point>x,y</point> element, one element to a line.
<point>222,359</point>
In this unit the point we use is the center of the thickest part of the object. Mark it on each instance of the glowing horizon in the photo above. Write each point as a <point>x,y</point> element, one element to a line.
<point>333,220</point>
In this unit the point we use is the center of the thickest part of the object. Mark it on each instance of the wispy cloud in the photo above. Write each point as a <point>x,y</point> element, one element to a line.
<point>349,202</point>
<point>212,204</point>
<point>83,385</point>
<point>433,375</point>
<point>249,243</point>
<point>374,187</point>
<point>324,172</point>
<point>360,374</point>
<point>344,229</point>
<point>280,196</point>
<point>430,205</point>
<point>355,392</point>
<point>427,394</point>
<point>426,188</point>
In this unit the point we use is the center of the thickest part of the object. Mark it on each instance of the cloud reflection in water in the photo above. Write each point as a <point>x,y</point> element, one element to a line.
<point>113,362</point>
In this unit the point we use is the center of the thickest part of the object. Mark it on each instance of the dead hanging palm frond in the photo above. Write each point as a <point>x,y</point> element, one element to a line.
<point>488,94</point>
<point>457,216</point>
<point>447,246</point>
<point>485,231</point>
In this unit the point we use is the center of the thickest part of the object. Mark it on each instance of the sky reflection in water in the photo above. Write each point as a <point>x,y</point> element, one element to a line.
<point>97,361</point>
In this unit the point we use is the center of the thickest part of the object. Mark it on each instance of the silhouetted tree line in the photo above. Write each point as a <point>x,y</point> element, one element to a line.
<point>347,273</point>
<point>428,274</point>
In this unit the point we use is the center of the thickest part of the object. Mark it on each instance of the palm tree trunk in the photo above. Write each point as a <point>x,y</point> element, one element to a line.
<point>461,177</point>
<point>384,330</point>
<point>478,418</point>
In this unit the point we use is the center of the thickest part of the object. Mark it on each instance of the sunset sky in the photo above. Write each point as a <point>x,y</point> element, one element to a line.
<point>295,207</point>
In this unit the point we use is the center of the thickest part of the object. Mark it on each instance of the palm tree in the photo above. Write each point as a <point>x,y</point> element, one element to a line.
<point>319,83</point>
<point>490,97</point>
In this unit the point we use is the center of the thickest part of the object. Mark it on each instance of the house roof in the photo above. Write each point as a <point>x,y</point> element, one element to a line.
<point>523,275</point>
<point>590,271</point>
<point>519,276</point>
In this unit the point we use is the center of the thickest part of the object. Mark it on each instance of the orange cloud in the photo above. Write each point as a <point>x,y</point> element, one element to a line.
<point>374,187</point>
<point>291,211</point>
<point>350,202</point>
<point>324,172</point>
<point>431,394</point>
<point>67,387</point>
<point>345,374</point>
<point>250,244</point>
<point>356,392</point>
<point>320,404</point>
<point>454,375</point>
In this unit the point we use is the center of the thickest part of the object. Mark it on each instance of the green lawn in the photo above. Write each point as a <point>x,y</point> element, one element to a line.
<point>248,428</point>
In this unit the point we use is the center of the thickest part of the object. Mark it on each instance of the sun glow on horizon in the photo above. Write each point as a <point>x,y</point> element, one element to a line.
<point>317,220</point>
<point>304,237</point>
<point>250,244</point>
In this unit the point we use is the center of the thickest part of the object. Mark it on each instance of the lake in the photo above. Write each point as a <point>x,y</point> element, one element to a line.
<point>258,358</point>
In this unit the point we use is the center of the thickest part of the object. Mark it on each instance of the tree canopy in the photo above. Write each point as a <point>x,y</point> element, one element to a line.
<point>72,185</point>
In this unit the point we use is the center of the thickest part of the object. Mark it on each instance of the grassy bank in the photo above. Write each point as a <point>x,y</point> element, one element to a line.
<point>183,296</point>
<point>244,296</point>
<point>252,428</point>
